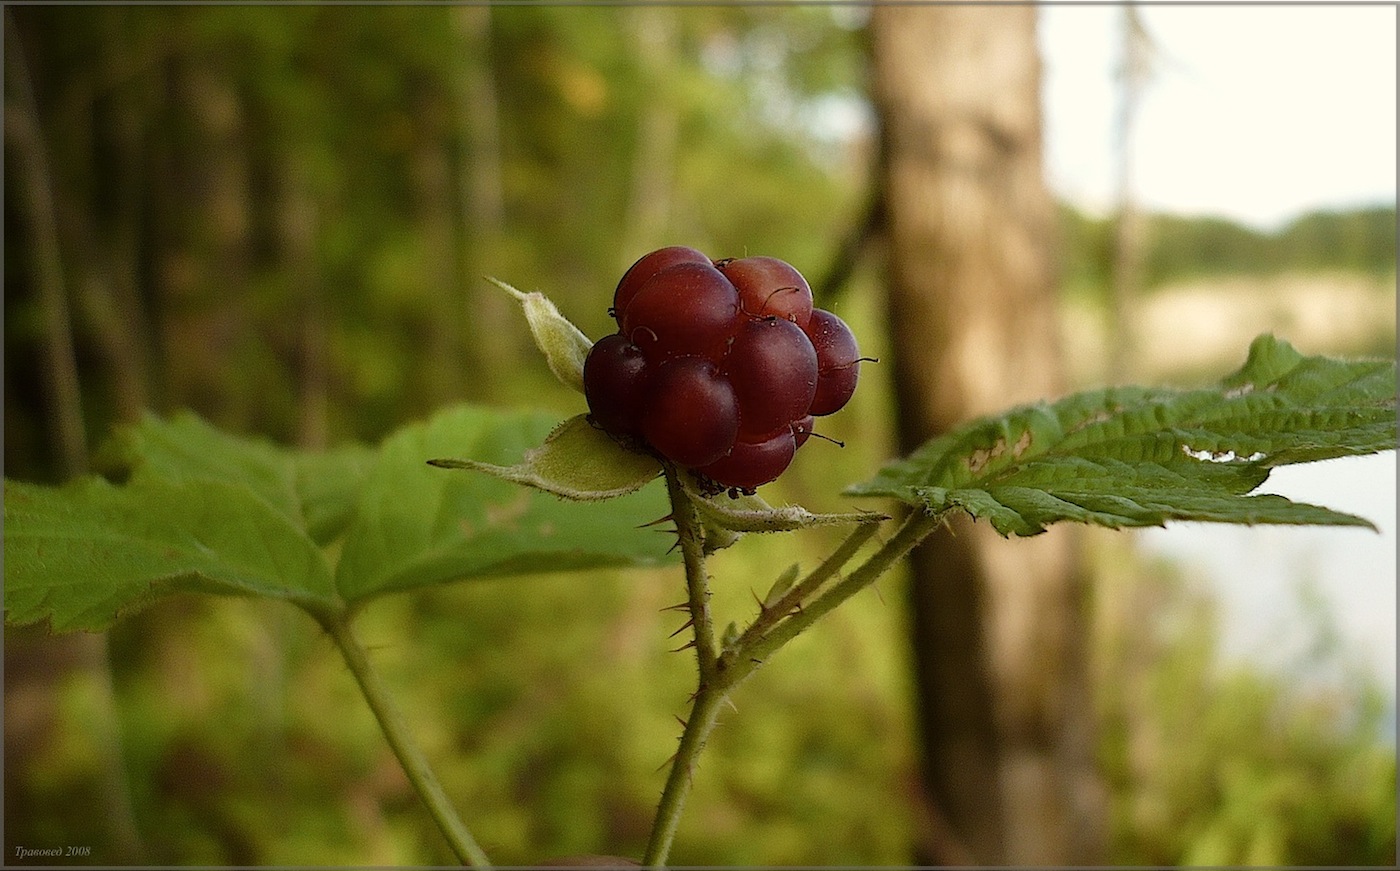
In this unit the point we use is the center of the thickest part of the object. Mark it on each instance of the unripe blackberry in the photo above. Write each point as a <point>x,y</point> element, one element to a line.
<point>719,366</point>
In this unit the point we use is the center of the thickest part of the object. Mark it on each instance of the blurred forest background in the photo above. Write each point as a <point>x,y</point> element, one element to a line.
<point>279,218</point>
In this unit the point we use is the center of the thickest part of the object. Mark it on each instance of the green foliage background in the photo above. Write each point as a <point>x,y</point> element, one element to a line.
<point>240,191</point>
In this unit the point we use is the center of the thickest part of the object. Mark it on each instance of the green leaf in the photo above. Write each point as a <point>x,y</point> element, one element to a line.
<point>1132,456</point>
<point>315,491</point>
<point>418,525</point>
<point>328,484</point>
<point>82,555</point>
<point>577,461</point>
<point>781,586</point>
<point>564,345</point>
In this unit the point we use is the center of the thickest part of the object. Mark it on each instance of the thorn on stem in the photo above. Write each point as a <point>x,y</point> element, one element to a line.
<point>669,760</point>
<point>686,646</point>
<point>762,608</point>
<point>684,626</point>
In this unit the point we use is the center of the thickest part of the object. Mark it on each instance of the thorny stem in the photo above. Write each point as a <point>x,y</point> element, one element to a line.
<point>748,656</point>
<point>720,673</point>
<point>703,715</point>
<point>708,696</point>
<point>697,581</point>
<point>414,763</point>
<point>770,615</point>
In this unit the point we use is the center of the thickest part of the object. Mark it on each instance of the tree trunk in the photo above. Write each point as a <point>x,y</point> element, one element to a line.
<point>997,630</point>
<point>490,333</point>
<point>24,140</point>
<point>654,164</point>
<point>1130,224</point>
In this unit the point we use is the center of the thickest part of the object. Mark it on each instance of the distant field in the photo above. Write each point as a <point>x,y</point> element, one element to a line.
<point>1200,328</point>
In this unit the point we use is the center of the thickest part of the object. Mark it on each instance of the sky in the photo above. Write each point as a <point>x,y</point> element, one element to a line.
<point>1254,113</point>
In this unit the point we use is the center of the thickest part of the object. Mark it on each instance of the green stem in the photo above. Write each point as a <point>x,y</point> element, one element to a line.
<point>747,657</point>
<point>719,675</point>
<point>414,763</point>
<point>705,710</point>
<point>771,615</point>
<point>703,716</point>
<point>697,581</point>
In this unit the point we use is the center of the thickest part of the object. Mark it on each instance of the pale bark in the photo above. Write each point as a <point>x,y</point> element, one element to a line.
<point>489,330</point>
<point>998,632</point>
<point>298,223</point>
<point>1130,225</point>
<point>654,163</point>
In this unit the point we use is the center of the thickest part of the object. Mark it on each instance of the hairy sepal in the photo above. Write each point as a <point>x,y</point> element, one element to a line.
<point>564,345</point>
<point>576,461</point>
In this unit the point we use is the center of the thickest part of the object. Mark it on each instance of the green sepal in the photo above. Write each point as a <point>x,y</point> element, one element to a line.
<point>577,461</point>
<point>564,345</point>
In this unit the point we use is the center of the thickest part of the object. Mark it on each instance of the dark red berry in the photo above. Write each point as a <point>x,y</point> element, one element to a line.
<point>838,361</point>
<point>768,286</point>
<point>692,416</point>
<point>773,368</point>
<point>614,381</point>
<point>750,464</point>
<point>641,272</point>
<point>719,366</point>
<point>689,308</point>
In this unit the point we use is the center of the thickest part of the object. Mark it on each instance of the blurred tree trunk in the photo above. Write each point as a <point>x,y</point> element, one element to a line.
<point>1130,224</point>
<point>654,164</point>
<point>997,630</point>
<point>32,705</point>
<point>435,202</point>
<point>27,152</point>
<point>201,264</point>
<point>104,227</point>
<point>490,331</point>
<point>298,223</point>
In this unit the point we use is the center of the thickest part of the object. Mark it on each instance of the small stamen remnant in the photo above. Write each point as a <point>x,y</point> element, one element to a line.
<point>1236,392</point>
<point>1221,456</point>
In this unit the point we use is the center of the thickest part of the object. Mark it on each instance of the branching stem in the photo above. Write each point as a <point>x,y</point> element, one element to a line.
<point>414,763</point>
<point>720,672</point>
<point>748,655</point>
<point>801,591</point>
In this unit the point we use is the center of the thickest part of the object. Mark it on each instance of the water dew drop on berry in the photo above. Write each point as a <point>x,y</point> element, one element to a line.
<point>691,414</point>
